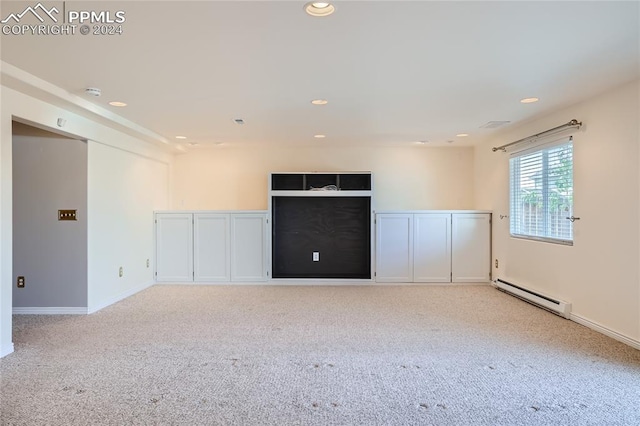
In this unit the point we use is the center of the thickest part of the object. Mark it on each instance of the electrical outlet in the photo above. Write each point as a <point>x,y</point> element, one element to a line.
<point>120,272</point>
<point>316,256</point>
<point>20,282</point>
<point>496,263</point>
<point>147,263</point>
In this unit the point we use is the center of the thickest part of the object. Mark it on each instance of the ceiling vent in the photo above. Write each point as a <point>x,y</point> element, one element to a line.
<point>494,124</point>
<point>93,91</point>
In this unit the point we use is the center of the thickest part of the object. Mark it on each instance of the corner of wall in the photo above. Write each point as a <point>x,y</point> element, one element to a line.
<point>121,296</point>
<point>6,350</point>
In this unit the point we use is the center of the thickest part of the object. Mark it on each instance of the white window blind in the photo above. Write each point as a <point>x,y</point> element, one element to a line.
<point>541,187</point>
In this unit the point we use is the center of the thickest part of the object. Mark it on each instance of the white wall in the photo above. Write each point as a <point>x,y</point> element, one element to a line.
<point>119,166</point>
<point>124,190</point>
<point>6,225</point>
<point>49,173</point>
<point>221,178</point>
<point>599,274</point>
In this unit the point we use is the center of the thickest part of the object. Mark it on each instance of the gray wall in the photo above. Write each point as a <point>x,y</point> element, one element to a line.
<point>49,173</point>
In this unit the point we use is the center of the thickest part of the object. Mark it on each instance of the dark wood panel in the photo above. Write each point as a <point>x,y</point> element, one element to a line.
<point>338,228</point>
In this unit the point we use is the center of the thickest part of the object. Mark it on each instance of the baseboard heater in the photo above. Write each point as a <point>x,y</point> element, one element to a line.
<point>556,306</point>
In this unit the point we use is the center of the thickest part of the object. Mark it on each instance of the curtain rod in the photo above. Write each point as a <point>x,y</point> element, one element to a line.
<point>572,123</point>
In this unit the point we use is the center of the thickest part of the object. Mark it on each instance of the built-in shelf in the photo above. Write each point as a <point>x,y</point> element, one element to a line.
<point>321,225</point>
<point>317,181</point>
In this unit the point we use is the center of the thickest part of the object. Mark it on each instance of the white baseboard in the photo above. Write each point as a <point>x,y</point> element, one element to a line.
<point>193,283</point>
<point>308,282</point>
<point>119,297</point>
<point>56,310</point>
<point>604,330</point>
<point>274,282</point>
<point>6,350</point>
<point>80,310</point>
<point>319,282</point>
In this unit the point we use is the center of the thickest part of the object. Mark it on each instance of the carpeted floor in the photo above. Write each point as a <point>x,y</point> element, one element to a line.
<point>343,355</point>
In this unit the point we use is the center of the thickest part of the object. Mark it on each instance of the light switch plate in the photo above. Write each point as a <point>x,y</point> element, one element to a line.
<point>67,214</point>
<point>316,256</point>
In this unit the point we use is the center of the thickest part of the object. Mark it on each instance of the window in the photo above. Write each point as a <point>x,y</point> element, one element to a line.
<point>541,187</point>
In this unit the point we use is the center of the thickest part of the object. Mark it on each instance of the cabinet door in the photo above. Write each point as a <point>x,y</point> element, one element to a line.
<point>432,248</point>
<point>471,247</point>
<point>211,247</point>
<point>394,247</point>
<point>248,247</point>
<point>174,247</point>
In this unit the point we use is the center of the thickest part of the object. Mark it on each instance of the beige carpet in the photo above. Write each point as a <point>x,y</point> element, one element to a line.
<point>405,355</point>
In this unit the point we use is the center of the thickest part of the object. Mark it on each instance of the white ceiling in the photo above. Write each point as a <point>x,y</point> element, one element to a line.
<point>393,72</point>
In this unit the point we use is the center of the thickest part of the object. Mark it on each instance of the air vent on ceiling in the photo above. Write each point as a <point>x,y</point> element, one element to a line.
<point>93,91</point>
<point>494,124</point>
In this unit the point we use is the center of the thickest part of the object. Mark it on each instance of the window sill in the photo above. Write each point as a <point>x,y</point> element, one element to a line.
<point>543,239</point>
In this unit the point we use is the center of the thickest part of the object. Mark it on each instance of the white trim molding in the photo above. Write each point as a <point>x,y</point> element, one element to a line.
<point>302,282</point>
<point>6,350</point>
<point>62,310</point>
<point>119,297</point>
<point>606,331</point>
<point>80,310</point>
<point>24,82</point>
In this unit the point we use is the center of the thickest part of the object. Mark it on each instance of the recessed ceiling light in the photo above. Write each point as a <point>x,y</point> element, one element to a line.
<point>319,8</point>
<point>238,121</point>
<point>193,143</point>
<point>319,136</point>
<point>424,142</point>
<point>319,101</point>
<point>449,141</point>
<point>117,104</point>
<point>462,135</point>
<point>529,100</point>
<point>181,137</point>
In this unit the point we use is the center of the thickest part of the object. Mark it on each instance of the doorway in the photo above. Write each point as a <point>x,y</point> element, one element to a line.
<point>49,252</point>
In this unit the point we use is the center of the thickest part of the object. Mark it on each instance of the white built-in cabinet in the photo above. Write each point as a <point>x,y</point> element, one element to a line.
<point>471,247</point>
<point>211,246</point>
<point>394,247</point>
<point>249,247</point>
<point>174,247</point>
<point>433,247</point>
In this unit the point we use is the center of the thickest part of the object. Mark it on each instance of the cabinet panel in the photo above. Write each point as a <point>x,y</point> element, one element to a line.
<point>174,247</point>
<point>432,248</point>
<point>248,247</point>
<point>471,247</point>
<point>211,247</point>
<point>394,247</point>
<point>321,237</point>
